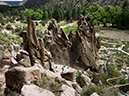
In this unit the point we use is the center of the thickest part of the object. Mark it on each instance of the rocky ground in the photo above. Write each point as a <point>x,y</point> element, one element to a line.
<point>60,64</point>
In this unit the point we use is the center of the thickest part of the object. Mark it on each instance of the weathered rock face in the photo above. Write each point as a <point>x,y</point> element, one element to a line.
<point>71,76</point>
<point>85,80</point>
<point>18,76</point>
<point>68,91</point>
<point>18,57</point>
<point>33,90</point>
<point>76,50</point>
<point>35,47</point>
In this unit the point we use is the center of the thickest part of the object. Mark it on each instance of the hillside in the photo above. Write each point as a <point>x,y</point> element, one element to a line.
<point>75,3</point>
<point>22,2</point>
<point>4,3</point>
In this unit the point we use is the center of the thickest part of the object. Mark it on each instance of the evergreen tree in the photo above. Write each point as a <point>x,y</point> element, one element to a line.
<point>45,15</point>
<point>74,13</point>
<point>69,14</point>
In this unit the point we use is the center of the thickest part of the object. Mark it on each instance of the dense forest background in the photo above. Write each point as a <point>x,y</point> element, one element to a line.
<point>114,15</point>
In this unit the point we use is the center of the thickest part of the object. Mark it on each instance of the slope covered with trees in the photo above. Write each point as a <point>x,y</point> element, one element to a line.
<point>72,9</point>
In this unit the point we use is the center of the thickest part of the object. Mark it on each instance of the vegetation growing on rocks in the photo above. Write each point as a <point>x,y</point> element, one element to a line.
<point>46,83</point>
<point>114,51</point>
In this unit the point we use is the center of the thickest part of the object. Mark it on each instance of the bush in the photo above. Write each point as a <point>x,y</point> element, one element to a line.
<point>113,72</point>
<point>124,88</point>
<point>9,27</point>
<point>12,20</point>
<point>3,22</point>
<point>39,33</point>
<point>78,79</point>
<point>88,90</point>
<point>43,23</point>
<point>46,83</point>
<point>36,23</point>
<point>18,19</point>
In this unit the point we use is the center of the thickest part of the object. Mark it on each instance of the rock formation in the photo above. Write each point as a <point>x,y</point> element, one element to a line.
<point>79,50</point>
<point>35,47</point>
<point>24,67</point>
<point>17,77</point>
<point>5,4</point>
<point>22,2</point>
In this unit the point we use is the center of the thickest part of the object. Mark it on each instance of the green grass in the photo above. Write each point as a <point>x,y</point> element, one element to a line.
<point>46,83</point>
<point>6,40</point>
<point>62,24</point>
<point>70,28</point>
<point>126,47</point>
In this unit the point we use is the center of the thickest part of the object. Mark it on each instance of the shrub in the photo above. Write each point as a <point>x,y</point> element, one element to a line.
<point>46,83</point>
<point>88,90</point>
<point>12,20</point>
<point>39,33</point>
<point>124,88</point>
<point>113,72</point>
<point>78,79</point>
<point>43,23</point>
<point>36,23</point>
<point>2,22</point>
<point>9,27</point>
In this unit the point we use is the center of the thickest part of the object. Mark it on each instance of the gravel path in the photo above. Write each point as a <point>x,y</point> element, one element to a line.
<point>113,35</point>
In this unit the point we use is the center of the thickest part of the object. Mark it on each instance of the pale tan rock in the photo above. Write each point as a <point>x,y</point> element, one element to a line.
<point>5,62</point>
<point>94,94</point>
<point>85,80</point>
<point>2,79</point>
<point>68,91</point>
<point>14,49</point>
<point>18,76</point>
<point>35,47</point>
<point>79,50</point>
<point>6,56</point>
<point>69,76</point>
<point>33,90</point>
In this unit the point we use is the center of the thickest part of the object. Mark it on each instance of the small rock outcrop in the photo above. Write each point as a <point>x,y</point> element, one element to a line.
<point>17,77</point>
<point>68,91</point>
<point>35,47</point>
<point>85,80</point>
<point>33,90</point>
<point>79,50</point>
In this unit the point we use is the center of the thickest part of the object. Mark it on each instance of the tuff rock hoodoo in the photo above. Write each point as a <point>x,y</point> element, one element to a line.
<point>79,50</point>
<point>35,47</point>
<point>24,67</point>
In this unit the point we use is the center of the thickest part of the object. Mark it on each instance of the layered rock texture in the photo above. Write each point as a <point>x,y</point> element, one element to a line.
<point>79,50</point>
<point>35,47</point>
<point>22,68</point>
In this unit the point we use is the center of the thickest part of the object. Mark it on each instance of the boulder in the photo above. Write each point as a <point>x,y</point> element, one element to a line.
<point>85,80</point>
<point>94,94</point>
<point>23,58</point>
<point>11,62</point>
<point>18,76</point>
<point>33,90</point>
<point>2,79</point>
<point>69,76</point>
<point>79,50</point>
<point>68,91</point>
<point>14,49</point>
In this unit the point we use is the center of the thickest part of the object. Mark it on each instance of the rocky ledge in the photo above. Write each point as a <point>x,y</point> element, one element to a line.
<point>23,67</point>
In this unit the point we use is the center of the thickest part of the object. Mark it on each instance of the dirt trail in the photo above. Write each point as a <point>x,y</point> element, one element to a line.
<point>114,35</point>
<point>68,25</point>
